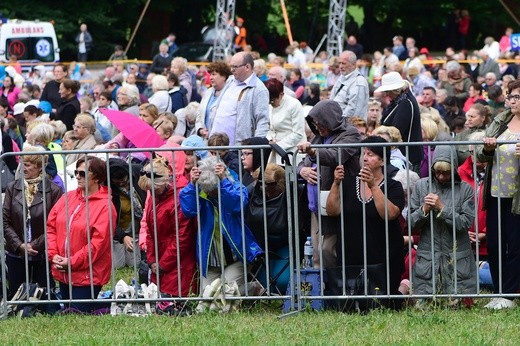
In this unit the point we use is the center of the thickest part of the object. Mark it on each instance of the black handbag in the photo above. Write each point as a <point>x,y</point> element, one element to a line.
<point>276,219</point>
<point>355,286</point>
<point>275,208</point>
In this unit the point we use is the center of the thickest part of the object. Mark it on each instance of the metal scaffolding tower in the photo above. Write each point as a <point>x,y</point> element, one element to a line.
<point>224,27</point>
<point>337,11</point>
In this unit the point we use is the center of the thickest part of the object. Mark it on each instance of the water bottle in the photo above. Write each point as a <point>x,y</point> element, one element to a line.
<point>307,254</point>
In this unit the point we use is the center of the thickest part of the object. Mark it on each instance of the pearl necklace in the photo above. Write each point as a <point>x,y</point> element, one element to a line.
<point>358,192</point>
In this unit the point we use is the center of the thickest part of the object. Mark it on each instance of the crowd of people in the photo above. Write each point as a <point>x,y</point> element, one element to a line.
<point>189,212</point>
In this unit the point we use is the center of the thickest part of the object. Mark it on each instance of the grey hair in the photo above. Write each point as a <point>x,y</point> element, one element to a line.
<point>401,176</point>
<point>133,94</point>
<point>208,180</point>
<point>452,66</point>
<point>42,134</point>
<point>191,110</point>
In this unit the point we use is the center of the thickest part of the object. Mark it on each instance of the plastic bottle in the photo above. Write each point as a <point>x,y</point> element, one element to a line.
<point>307,254</point>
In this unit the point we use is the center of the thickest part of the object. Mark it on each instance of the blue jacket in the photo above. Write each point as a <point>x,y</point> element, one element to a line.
<point>233,198</point>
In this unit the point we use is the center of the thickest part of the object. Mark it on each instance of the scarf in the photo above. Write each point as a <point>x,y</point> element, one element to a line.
<point>31,187</point>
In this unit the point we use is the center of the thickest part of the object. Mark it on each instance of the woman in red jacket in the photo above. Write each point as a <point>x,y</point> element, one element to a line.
<point>80,228</point>
<point>477,232</point>
<point>170,237</point>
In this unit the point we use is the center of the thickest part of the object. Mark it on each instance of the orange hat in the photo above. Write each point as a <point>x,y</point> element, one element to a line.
<point>240,19</point>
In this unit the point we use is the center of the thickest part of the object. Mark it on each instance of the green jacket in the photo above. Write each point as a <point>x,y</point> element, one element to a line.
<point>495,129</point>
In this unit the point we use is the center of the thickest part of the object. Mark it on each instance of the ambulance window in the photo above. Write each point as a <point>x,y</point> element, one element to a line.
<point>31,48</point>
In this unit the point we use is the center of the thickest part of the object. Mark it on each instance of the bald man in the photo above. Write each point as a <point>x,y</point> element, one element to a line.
<point>279,73</point>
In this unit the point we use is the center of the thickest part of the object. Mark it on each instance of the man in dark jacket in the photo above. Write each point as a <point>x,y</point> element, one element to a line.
<point>161,62</point>
<point>84,41</point>
<point>327,122</point>
<point>127,197</point>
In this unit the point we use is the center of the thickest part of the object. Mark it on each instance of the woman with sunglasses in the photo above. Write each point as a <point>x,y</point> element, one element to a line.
<point>502,198</point>
<point>80,228</point>
<point>169,232</point>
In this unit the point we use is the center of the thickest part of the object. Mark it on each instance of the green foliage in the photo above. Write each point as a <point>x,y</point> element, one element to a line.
<point>112,22</point>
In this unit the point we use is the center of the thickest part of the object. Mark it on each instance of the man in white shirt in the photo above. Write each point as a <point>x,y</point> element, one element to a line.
<point>243,110</point>
<point>295,56</point>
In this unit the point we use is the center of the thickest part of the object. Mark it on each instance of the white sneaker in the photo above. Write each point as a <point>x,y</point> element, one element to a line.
<point>500,303</point>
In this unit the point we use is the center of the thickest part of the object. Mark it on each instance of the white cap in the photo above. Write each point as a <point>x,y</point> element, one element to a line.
<point>18,108</point>
<point>35,103</point>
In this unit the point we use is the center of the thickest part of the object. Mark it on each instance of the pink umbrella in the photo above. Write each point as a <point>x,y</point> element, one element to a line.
<point>136,130</point>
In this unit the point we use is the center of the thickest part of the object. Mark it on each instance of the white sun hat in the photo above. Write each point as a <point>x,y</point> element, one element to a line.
<point>391,81</point>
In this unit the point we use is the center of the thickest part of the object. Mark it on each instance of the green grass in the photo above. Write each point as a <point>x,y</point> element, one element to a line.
<point>262,326</point>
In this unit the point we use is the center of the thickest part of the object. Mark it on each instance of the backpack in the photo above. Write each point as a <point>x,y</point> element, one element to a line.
<point>7,175</point>
<point>178,98</point>
<point>195,96</point>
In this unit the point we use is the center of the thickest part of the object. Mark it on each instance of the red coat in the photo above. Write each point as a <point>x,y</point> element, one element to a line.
<point>466,174</point>
<point>171,239</point>
<point>72,208</point>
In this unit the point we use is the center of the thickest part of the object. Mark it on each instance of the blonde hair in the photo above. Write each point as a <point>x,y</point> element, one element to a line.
<point>37,159</point>
<point>429,128</point>
<point>260,64</point>
<point>164,124</point>
<point>86,120</point>
<point>151,109</point>
<point>441,124</point>
<point>392,132</point>
<point>168,116</point>
<point>59,128</point>
<point>180,63</point>
<point>442,166</point>
<point>160,167</point>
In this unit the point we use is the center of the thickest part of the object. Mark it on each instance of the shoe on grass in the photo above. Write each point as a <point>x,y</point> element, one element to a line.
<point>500,303</point>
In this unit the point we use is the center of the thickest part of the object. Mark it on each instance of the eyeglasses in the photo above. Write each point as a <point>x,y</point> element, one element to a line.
<point>234,67</point>
<point>246,153</point>
<point>149,174</point>
<point>513,97</point>
<point>80,173</point>
<point>443,173</point>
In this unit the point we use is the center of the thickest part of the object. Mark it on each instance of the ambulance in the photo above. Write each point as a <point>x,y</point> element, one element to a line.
<point>30,41</point>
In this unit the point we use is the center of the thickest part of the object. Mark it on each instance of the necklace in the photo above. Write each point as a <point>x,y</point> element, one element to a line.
<point>358,191</point>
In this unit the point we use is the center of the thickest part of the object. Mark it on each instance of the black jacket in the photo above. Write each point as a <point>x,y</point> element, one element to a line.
<point>67,111</point>
<point>404,114</point>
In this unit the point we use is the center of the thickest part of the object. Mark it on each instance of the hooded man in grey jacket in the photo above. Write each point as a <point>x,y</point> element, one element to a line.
<point>326,121</point>
<point>445,262</point>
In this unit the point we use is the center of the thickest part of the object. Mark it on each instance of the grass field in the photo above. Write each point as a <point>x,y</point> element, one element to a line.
<point>264,327</point>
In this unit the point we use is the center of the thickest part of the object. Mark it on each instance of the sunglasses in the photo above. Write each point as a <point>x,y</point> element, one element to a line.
<point>149,174</point>
<point>80,173</point>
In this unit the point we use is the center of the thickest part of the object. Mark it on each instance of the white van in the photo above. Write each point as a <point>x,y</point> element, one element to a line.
<point>30,41</point>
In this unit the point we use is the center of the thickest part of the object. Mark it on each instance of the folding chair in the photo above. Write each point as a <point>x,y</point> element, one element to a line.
<point>275,282</point>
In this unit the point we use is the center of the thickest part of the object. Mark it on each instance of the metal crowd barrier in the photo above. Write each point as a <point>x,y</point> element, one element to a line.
<point>298,295</point>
